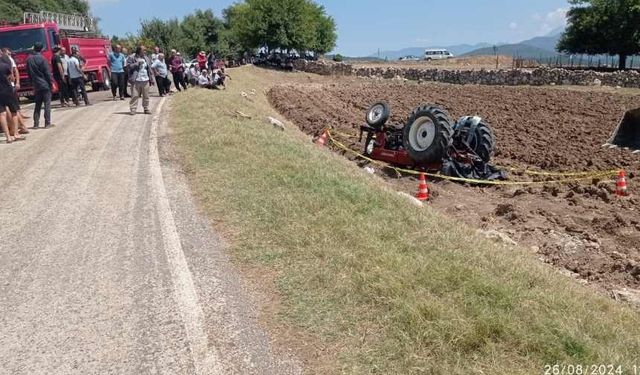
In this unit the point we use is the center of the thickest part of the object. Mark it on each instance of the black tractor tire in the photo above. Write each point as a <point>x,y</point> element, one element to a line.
<point>378,115</point>
<point>427,136</point>
<point>477,135</point>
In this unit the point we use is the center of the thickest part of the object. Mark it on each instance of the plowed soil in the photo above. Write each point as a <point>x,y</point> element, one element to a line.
<point>579,227</point>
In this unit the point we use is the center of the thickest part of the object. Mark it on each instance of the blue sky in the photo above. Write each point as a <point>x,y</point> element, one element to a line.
<point>366,25</point>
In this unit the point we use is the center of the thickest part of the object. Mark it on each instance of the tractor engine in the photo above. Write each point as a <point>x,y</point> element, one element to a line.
<point>394,140</point>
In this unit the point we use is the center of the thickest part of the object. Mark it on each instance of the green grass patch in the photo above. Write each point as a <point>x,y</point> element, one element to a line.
<point>395,288</point>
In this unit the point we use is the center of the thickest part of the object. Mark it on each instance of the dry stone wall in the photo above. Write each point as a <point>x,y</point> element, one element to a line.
<point>513,77</point>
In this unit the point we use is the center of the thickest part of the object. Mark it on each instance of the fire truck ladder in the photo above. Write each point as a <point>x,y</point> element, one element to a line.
<point>71,22</point>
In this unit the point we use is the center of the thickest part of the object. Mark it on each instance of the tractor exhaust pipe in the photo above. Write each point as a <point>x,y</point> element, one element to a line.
<point>627,134</point>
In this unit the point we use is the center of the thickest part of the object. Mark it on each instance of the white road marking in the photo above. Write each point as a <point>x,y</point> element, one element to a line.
<point>206,361</point>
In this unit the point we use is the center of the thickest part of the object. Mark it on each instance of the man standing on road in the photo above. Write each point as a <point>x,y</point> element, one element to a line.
<point>160,70</point>
<point>125,52</point>
<point>177,69</point>
<point>141,79</point>
<point>40,75</point>
<point>76,74</point>
<point>58,75</point>
<point>64,58</point>
<point>117,61</point>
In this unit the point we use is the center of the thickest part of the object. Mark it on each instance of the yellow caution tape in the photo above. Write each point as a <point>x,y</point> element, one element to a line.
<point>564,174</point>
<point>580,176</point>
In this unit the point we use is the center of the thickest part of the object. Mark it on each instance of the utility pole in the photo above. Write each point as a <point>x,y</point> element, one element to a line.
<point>495,52</point>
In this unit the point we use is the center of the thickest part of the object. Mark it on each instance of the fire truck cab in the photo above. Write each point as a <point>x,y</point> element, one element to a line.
<point>54,29</point>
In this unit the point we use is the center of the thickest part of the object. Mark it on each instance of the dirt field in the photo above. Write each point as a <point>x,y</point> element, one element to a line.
<point>462,63</point>
<point>580,227</point>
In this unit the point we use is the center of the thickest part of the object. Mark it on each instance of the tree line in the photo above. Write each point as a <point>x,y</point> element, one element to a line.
<point>12,10</point>
<point>603,27</point>
<point>285,25</point>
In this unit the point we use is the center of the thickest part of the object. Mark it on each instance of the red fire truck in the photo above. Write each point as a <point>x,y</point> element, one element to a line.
<point>53,29</point>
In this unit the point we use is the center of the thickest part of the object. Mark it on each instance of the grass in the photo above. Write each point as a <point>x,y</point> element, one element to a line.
<point>383,286</point>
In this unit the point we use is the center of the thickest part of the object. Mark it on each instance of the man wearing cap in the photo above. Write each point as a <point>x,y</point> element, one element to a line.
<point>202,60</point>
<point>177,69</point>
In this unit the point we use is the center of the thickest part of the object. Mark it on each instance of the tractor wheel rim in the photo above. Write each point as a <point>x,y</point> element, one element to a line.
<point>422,134</point>
<point>375,114</point>
<point>370,147</point>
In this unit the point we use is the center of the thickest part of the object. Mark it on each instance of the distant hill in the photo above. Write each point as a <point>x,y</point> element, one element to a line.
<point>457,50</point>
<point>520,50</point>
<point>541,46</point>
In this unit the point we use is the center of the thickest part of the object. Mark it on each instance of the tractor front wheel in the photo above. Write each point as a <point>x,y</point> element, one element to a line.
<point>427,136</point>
<point>378,115</point>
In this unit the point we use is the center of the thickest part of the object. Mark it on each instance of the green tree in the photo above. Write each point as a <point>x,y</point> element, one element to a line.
<point>282,24</point>
<point>164,34</point>
<point>12,10</point>
<point>199,31</point>
<point>603,27</point>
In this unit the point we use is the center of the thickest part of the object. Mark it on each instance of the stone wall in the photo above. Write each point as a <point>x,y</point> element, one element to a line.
<point>537,77</point>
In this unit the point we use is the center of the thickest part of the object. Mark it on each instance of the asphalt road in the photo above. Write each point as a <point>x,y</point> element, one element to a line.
<point>106,267</point>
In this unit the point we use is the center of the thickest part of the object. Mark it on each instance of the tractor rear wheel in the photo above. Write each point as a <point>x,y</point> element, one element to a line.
<point>427,135</point>
<point>378,115</point>
<point>477,135</point>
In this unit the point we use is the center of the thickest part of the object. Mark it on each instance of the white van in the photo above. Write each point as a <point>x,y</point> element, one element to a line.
<point>437,54</point>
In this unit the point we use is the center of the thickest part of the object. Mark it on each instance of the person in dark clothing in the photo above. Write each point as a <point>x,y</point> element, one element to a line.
<point>8,101</point>
<point>40,75</point>
<point>211,61</point>
<point>58,75</point>
<point>126,74</point>
<point>177,69</point>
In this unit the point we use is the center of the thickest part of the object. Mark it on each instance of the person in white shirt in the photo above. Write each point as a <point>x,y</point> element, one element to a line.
<point>76,75</point>
<point>193,75</point>
<point>203,79</point>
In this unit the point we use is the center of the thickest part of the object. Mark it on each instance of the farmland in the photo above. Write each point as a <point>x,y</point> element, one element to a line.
<point>580,227</point>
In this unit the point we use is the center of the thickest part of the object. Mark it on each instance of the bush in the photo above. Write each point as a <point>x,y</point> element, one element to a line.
<point>338,58</point>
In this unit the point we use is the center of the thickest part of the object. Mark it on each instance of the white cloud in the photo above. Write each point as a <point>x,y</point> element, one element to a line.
<point>513,25</point>
<point>551,20</point>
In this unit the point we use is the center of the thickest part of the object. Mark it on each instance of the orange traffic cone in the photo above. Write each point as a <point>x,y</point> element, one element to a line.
<point>621,185</point>
<point>423,189</point>
<point>322,140</point>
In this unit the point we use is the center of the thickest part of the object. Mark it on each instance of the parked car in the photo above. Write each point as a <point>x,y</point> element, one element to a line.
<point>437,54</point>
<point>410,58</point>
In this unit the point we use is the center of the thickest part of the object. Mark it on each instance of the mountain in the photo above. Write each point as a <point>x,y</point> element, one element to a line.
<point>520,50</point>
<point>457,50</point>
<point>541,46</point>
<point>538,47</point>
<point>548,43</point>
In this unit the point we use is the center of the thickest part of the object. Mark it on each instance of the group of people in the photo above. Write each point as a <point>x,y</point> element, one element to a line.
<point>66,71</point>
<point>207,72</point>
<point>140,72</point>
<point>137,72</point>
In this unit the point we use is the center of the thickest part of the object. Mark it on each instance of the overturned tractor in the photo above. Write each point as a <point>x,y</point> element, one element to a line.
<point>429,140</point>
